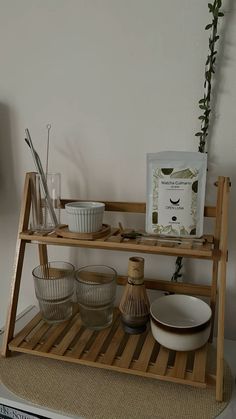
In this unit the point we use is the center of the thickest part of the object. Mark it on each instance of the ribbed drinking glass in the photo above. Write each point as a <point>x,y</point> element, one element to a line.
<point>54,285</point>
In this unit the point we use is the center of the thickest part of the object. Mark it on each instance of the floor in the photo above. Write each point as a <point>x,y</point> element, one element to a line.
<point>7,398</point>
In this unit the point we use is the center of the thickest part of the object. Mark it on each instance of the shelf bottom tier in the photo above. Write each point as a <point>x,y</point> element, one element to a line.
<point>112,349</point>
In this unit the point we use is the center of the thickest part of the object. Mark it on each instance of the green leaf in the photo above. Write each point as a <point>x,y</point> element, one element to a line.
<point>202,101</point>
<point>202,107</point>
<point>210,7</point>
<point>216,38</point>
<point>220,14</point>
<point>201,117</point>
<point>198,134</point>
<point>208,26</point>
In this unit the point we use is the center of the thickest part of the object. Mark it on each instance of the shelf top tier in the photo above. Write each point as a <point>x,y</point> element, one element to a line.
<point>203,248</point>
<point>208,247</point>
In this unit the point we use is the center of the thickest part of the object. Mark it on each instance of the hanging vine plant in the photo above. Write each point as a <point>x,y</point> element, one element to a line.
<point>205,101</point>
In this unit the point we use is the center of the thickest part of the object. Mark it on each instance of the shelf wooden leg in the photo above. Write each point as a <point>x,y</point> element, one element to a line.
<point>217,236</point>
<point>222,292</point>
<point>11,316</point>
<point>213,295</point>
<point>220,335</point>
<point>18,265</point>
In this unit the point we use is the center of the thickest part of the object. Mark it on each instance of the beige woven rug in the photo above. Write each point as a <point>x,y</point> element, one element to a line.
<point>99,394</point>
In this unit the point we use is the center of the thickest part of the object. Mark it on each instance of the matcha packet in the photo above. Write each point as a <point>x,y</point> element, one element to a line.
<point>176,183</point>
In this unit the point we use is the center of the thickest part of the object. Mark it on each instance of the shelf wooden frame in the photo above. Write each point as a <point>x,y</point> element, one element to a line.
<point>112,348</point>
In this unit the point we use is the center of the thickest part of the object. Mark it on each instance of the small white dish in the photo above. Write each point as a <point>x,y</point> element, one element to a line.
<point>85,217</point>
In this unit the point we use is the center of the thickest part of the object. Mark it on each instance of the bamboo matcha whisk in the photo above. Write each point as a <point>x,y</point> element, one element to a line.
<point>134,304</point>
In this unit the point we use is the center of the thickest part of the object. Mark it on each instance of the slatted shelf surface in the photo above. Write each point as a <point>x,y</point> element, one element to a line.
<point>203,248</point>
<point>111,348</point>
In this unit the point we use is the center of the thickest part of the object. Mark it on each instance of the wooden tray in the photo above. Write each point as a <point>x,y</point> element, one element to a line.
<point>63,231</point>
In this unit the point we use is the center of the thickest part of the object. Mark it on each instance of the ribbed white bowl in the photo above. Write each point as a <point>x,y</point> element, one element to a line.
<point>85,217</point>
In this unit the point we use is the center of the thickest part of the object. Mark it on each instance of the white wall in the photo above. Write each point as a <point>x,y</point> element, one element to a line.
<point>116,79</point>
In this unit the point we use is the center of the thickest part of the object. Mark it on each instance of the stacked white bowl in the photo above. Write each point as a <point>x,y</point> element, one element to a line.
<point>180,322</point>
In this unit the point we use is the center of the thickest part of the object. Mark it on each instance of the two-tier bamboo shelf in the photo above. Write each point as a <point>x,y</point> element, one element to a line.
<point>111,348</point>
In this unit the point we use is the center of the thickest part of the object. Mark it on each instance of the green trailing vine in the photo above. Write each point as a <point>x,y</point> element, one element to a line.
<point>205,102</point>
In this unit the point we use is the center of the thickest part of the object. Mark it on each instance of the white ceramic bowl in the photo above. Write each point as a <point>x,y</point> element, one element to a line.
<point>180,342</point>
<point>85,217</point>
<point>180,322</point>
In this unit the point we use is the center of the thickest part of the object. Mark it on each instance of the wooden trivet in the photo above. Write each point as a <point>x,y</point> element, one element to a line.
<point>63,231</point>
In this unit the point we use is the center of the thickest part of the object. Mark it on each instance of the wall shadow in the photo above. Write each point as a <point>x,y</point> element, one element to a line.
<point>7,178</point>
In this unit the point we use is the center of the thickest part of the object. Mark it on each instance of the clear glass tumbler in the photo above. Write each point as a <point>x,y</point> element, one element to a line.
<point>54,285</point>
<point>95,291</point>
<point>40,215</point>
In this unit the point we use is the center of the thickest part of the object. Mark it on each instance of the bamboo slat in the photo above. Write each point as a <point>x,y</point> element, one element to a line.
<point>127,355</point>
<point>116,242</point>
<point>145,354</point>
<point>26,330</point>
<point>97,344</point>
<point>67,339</point>
<point>110,348</point>
<point>135,207</point>
<point>176,287</point>
<point>161,363</point>
<point>180,364</point>
<point>79,347</point>
<point>56,332</point>
<point>36,338</point>
<point>113,347</point>
<point>199,365</point>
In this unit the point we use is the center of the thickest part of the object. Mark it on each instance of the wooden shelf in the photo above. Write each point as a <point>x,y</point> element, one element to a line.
<point>112,349</point>
<point>114,241</point>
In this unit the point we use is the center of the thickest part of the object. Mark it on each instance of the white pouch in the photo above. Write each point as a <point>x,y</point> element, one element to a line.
<point>176,183</point>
